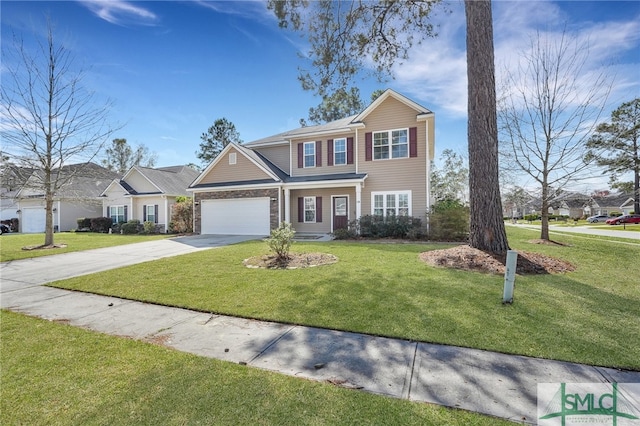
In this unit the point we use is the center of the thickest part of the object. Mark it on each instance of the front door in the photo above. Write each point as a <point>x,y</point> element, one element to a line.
<point>340,216</point>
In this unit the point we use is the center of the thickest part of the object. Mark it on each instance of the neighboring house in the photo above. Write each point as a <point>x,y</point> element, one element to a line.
<point>318,178</point>
<point>12,179</point>
<point>607,204</point>
<point>147,194</point>
<point>78,198</point>
<point>570,204</point>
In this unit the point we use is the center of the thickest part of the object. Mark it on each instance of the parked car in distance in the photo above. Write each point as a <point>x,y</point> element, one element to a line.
<point>598,218</point>
<point>3,229</point>
<point>628,218</point>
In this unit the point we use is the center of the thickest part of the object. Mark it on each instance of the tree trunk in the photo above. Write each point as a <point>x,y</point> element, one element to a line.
<point>544,213</point>
<point>486,228</point>
<point>48,202</point>
<point>636,180</point>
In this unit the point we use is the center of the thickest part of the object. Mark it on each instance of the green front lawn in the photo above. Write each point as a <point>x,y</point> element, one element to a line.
<point>11,244</point>
<point>589,316</point>
<point>55,374</point>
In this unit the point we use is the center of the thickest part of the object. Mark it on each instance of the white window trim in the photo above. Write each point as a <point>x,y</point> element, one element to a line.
<point>304,155</point>
<point>232,158</point>
<point>389,144</point>
<point>336,152</point>
<point>384,200</point>
<point>153,210</point>
<point>305,210</point>
<point>116,207</point>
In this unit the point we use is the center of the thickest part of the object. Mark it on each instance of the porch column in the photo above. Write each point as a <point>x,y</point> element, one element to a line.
<point>287,205</point>
<point>358,201</point>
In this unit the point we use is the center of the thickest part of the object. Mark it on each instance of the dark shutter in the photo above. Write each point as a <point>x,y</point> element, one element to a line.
<point>301,209</point>
<point>318,153</point>
<point>318,209</point>
<point>368,146</point>
<point>413,142</point>
<point>330,152</point>
<point>144,213</point>
<point>349,150</point>
<point>125,214</point>
<point>109,212</point>
<point>156,213</point>
<point>300,155</point>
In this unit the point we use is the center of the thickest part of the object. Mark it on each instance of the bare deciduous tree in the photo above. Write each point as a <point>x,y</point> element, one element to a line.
<point>49,118</point>
<point>547,113</point>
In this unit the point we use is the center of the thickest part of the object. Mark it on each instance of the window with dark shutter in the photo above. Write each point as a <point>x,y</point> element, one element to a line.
<point>318,153</point>
<point>144,213</point>
<point>330,152</point>
<point>318,209</point>
<point>301,209</point>
<point>349,150</point>
<point>300,155</point>
<point>368,146</point>
<point>156,213</point>
<point>413,142</point>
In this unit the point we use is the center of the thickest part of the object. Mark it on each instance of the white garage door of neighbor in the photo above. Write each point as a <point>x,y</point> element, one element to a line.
<point>236,216</point>
<point>33,220</point>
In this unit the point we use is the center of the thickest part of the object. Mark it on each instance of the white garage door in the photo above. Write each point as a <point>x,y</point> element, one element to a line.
<point>33,220</point>
<point>236,216</point>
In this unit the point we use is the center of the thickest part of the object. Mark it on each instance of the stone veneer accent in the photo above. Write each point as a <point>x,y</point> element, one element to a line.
<point>220,195</point>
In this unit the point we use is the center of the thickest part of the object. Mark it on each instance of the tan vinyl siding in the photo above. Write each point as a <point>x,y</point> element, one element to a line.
<point>115,196</point>
<point>398,174</point>
<point>324,169</point>
<point>278,155</point>
<point>140,183</point>
<point>138,208</point>
<point>327,208</point>
<point>243,170</point>
<point>70,212</point>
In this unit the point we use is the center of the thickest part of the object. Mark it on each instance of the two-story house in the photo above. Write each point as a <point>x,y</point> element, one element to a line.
<point>318,178</point>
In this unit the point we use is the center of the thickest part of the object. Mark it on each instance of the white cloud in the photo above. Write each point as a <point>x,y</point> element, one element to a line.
<point>436,70</point>
<point>120,12</point>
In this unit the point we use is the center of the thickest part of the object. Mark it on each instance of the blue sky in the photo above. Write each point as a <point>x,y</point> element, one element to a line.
<point>173,68</point>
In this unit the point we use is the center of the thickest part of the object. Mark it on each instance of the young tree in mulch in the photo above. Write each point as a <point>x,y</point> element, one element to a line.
<point>279,243</point>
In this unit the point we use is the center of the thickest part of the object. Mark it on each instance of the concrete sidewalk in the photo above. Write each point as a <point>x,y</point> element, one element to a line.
<point>486,382</point>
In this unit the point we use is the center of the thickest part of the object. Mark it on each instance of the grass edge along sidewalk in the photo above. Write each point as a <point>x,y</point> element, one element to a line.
<point>588,316</point>
<point>53,373</point>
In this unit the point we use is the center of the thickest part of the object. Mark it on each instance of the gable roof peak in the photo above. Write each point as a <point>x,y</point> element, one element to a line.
<point>383,97</point>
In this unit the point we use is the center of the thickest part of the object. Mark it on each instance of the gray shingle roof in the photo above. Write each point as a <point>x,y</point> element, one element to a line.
<point>336,125</point>
<point>173,180</point>
<point>84,180</point>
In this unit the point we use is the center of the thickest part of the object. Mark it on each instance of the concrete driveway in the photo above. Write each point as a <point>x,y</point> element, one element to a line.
<point>23,273</point>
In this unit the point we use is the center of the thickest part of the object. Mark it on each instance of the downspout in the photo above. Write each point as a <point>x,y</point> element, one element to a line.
<point>58,211</point>
<point>166,214</point>
<point>426,125</point>
<point>193,215</point>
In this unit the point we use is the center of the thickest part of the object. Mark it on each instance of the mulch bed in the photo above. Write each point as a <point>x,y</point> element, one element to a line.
<point>43,247</point>
<point>295,261</point>
<point>471,259</point>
